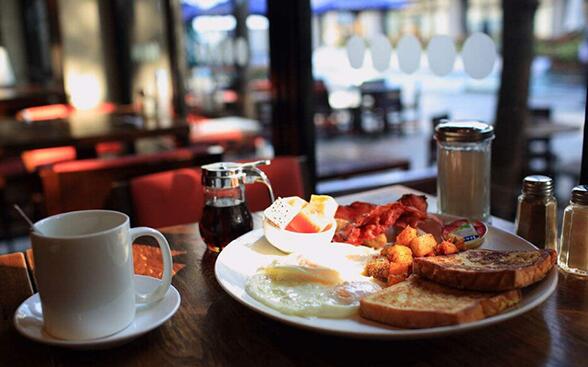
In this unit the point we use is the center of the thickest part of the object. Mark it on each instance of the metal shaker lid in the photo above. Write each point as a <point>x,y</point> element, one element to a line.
<point>222,175</point>
<point>463,131</point>
<point>538,185</point>
<point>580,194</point>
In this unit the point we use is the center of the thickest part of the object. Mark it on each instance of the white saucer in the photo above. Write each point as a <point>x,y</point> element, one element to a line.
<point>28,319</point>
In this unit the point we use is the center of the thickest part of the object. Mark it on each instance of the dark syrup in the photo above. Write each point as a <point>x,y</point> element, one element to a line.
<point>222,224</point>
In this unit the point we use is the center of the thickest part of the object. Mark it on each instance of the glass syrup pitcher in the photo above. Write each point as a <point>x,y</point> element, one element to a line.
<point>225,215</point>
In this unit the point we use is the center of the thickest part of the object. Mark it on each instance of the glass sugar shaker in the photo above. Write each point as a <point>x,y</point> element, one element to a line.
<point>463,168</point>
<point>536,212</point>
<point>573,247</point>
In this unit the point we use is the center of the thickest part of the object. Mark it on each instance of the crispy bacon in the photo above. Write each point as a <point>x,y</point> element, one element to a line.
<point>362,221</point>
<point>354,210</point>
<point>418,202</point>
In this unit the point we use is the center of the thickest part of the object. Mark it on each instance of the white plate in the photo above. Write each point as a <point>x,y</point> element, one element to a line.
<point>28,319</point>
<point>245,255</point>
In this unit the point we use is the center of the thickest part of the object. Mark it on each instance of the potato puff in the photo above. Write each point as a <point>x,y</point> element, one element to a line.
<point>398,254</point>
<point>378,267</point>
<point>406,236</point>
<point>458,241</point>
<point>376,242</point>
<point>397,273</point>
<point>423,245</point>
<point>446,248</point>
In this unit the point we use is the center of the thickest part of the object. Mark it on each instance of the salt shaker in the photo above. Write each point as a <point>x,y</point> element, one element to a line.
<point>573,247</point>
<point>536,212</point>
<point>463,168</point>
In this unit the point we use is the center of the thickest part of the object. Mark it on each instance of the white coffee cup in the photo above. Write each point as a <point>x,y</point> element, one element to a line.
<point>84,270</point>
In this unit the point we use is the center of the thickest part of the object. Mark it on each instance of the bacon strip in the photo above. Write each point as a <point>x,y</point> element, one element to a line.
<point>361,221</point>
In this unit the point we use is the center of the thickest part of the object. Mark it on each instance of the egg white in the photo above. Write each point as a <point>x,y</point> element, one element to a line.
<point>327,283</point>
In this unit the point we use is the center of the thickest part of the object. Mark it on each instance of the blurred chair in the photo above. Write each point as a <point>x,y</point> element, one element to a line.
<point>323,113</point>
<point>36,158</point>
<point>539,157</point>
<point>33,159</point>
<point>87,184</point>
<point>175,197</point>
<point>383,102</point>
<point>415,107</point>
<point>233,133</point>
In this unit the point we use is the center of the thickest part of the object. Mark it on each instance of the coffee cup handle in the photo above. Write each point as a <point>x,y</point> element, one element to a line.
<point>166,278</point>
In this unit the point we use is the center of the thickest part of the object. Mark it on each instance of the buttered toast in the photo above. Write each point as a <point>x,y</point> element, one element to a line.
<point>487,270</point>
<point>419,303</point>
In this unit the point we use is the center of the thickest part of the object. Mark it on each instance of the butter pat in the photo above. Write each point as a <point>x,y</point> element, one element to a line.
<point>283,210</point>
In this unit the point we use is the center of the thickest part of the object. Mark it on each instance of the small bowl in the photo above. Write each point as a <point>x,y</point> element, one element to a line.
<point>288,241</point>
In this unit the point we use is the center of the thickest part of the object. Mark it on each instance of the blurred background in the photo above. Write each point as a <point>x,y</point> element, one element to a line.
<point>378,87</point>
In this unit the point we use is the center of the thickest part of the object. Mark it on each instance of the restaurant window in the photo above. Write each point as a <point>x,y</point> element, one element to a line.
<point>384,108</point>
<point>228,88</point>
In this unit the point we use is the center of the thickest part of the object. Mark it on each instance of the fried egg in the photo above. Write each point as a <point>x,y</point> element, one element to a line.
<point>325,284</point>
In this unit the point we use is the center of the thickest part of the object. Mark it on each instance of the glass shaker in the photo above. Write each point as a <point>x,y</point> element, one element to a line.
<point>225,215</point>
<point>536,212</point>
<point>573,247</point>
<point>463,168</point>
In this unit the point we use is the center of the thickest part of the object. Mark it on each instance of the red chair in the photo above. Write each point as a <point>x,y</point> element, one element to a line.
<point>33,159</point>
<point>87,184</point>
<point>175,197</point>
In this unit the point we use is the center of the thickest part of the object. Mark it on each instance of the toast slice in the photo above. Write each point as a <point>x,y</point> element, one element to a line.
<point>418,303</point>
<point>487,270</point>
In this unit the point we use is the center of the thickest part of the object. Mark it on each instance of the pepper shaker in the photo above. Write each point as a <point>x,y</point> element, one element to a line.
<point>536,212</point>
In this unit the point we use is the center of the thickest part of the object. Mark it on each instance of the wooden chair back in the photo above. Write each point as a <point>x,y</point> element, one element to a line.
<point>86,184</point>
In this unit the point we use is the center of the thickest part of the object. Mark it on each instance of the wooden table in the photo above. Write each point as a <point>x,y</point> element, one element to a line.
<point>211,329</point>
<point>13,99</point>
<point>84,131</point>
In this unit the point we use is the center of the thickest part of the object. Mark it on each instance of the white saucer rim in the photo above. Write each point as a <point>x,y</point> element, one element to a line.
<point>110,339</point>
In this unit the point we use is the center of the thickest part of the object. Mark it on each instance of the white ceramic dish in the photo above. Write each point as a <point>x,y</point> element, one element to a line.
<point>288,241</point>
<point>242,257</point>
<point>28,319</point>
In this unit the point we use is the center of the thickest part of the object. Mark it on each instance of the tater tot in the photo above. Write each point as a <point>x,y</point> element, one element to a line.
<point>376,242</point>
<point>446,248</point>
<point>456,240</point>
<point>397,273</point>
<point>406,236</point>
<point>398,268</point>
<point>398,254</point>
<point>378,268</point>
<point>423,245</point>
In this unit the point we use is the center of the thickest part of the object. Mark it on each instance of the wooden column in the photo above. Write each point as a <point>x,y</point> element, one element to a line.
<point>584,172</point>
<point>117,19</point>
<point>240,12</point>
<point>512,111</point>
<point>177,57</point>
<point>291,78</point>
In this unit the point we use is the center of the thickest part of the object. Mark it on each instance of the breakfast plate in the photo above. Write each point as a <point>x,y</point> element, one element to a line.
<point>244,256</point>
